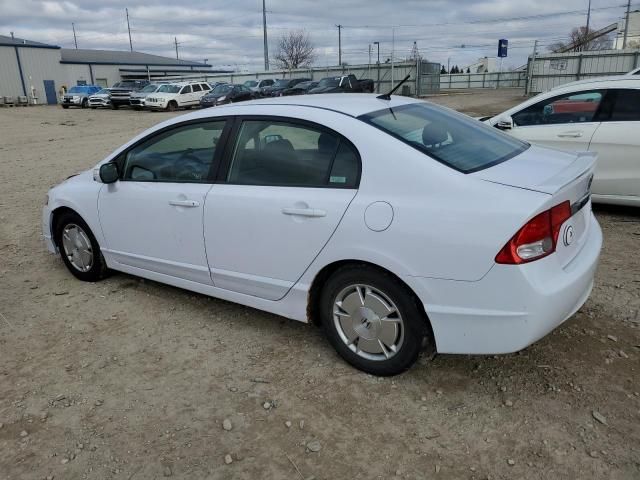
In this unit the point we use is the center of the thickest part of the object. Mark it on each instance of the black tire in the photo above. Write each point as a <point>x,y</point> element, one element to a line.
<point>65,106</point>
<point>114,106</point>
<point>172,106</point>
<point>98,268</point>
<point>414,325</point>
<point>85,103</point>
<point>93,108</point>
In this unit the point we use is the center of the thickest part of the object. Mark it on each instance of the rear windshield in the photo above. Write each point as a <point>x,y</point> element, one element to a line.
<point>454,139</point>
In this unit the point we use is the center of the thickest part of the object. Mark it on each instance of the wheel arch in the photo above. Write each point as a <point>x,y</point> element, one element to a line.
<point>325,272</point>
<point>56,213</point>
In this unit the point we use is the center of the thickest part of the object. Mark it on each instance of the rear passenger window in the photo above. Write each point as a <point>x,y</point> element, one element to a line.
<point>289,154</point>
<point>627,106</point>
<point>196,87</point>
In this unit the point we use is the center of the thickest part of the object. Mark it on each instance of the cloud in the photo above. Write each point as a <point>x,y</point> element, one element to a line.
<point>229,34</point>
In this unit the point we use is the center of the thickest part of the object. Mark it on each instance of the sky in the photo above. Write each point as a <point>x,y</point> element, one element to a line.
<point>229,33</point>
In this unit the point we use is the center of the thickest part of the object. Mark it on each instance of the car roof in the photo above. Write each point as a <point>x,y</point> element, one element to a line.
<point>617,81</point>
<point>352,104</point>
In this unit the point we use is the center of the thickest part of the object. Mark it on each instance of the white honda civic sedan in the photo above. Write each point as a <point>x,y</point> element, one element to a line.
<point>393,223</point>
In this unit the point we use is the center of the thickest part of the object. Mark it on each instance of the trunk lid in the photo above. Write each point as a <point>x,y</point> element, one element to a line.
<point>564,176</point>
<point>540,169</point>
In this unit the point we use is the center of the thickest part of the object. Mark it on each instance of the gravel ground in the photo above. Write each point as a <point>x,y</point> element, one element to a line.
<point>131,379</point>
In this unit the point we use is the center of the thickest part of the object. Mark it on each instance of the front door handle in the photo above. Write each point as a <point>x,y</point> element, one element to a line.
<point>184,203</point>
<point>570,134</point>
<point>304,212</point>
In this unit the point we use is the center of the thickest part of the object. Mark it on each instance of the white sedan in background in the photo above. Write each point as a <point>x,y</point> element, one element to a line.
<point>391,222</point>
<point>600,115</point>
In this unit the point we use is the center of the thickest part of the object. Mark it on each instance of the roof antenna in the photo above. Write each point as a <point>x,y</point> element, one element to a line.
<point>387,96</point>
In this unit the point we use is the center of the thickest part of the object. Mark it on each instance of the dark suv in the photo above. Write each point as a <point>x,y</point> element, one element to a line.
<point>121,91</point>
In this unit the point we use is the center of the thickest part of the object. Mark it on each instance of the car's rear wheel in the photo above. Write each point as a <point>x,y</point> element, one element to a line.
<point>372,320</point>
<point>79,249</point>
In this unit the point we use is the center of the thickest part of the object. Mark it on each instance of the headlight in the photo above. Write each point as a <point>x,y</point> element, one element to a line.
<point>76,98</point>
<point>222,99</point>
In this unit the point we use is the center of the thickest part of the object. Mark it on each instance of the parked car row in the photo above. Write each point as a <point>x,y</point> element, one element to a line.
<point>302,86</point>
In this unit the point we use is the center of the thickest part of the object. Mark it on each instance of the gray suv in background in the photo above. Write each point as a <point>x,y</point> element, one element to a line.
<point>136,99</point>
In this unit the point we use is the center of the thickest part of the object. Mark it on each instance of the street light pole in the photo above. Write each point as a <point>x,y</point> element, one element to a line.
<point>378,67</point>
<point>264,28</point>
<point>626,26</point>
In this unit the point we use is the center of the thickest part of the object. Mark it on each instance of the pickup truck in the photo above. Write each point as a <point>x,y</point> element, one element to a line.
<point>344,83</point>
<point>121,91</point>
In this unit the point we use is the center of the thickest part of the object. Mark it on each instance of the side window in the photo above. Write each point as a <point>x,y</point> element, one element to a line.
<point>205,86</point>
<point>627,106</point>
<point>186,89</point>
<point>288,154</point>
<point>182,154</point>
<point>569,108</point>
<point>196,87</point>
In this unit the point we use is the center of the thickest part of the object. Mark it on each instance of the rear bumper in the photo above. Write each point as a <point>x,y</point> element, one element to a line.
<point>511,307</point>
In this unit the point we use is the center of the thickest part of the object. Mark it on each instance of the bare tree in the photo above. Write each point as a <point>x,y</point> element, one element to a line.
<point>581,41</point>
<point>295,50</point>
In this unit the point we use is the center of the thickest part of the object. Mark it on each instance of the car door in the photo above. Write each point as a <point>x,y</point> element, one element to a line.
<point>285,188</point>
<point>185,96</point>
<point>152,216</point>
<point>617,142</point>
<point>197,94</point>
<point>567,121</point>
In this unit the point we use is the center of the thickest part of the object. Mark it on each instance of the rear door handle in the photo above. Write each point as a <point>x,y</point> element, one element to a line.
<point>184,203</point>
<point>570,134</point>
<point>304,212</point>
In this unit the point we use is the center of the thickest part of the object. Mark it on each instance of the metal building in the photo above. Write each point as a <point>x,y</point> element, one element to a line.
<point>30,69</point>
<point>39,71</point>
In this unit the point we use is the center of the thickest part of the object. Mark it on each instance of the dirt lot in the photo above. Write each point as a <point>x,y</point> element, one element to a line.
<point>130,379</point>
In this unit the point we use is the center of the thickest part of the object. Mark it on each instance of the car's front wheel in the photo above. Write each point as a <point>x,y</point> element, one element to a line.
<point>372,320</point>
<point>79,249</point>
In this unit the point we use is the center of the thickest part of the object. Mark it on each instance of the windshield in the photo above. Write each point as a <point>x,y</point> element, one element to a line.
<point>250,83</point>
<point>222,89</point>
<point>329,82</point>
<point>454,139</point>
<point>169,89</point>
<point>79,89</point>
<point>125,85</point>
<point>149,88</point>
<point>281,83</point>
<point>104,91</point>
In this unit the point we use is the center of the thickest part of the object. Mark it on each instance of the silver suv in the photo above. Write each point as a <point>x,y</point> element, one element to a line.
<point>136,100</point>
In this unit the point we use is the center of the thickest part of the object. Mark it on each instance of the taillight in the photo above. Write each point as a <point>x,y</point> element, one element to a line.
<point>538,238</point>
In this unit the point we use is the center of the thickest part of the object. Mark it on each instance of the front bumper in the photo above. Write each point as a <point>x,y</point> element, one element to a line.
<point>46,230</point>
<point>512,306</point>
<point>71,101</point>
<point>137,102</point>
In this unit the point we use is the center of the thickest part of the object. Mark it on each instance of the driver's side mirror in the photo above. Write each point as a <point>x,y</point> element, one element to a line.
<point>504,123</point>
<point>109,172</point>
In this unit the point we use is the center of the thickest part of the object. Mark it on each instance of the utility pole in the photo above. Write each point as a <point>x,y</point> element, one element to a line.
<point>588,19</point>
<point>378,45</point>
<point>533,61</point>
<point>75,40</point>
<point>264,29</point>
<point>129,28</point>
<point>626,26</point>
<point>393,50</point>
<point>175,40</point>
<point>339,44</point>
<point>369,63</point>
